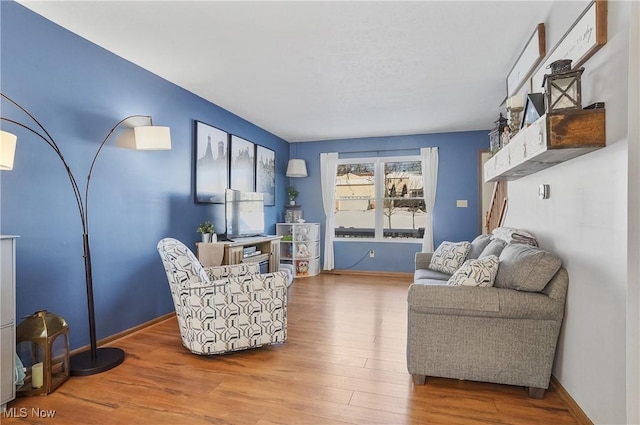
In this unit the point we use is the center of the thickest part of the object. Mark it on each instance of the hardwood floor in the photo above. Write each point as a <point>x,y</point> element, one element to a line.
<point>343,363</point>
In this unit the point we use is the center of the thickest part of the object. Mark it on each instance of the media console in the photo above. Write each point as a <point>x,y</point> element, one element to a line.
<point>257,249</point>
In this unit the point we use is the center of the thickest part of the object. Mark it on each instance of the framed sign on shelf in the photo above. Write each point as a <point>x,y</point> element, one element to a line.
<point>584,38</point>
<point>529,58</point>
<point>266,174</point>
<point>211,163</point>
<point>243,164</point>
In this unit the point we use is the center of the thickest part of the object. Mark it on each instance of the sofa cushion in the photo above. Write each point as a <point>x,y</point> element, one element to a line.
<point>449,256</point>
<point>477,246</point>
<point>476,272</point>
<point>526,268</point>
<point>431,282</point>
<point>494,247</point>
<point>422,274</point>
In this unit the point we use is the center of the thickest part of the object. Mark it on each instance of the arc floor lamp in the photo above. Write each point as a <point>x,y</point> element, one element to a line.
<point>148,137</point>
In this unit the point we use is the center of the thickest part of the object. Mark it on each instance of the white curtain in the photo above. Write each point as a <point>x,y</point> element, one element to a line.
<point>429,183</point>
<point>328,171</point>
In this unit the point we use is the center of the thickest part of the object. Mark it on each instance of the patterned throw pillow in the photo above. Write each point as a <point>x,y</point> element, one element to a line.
<point>449,256</point>
<point>481,272</point>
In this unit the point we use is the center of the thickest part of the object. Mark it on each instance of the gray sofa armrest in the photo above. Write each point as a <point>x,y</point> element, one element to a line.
<point>423,259</point>
<point>558,285</point>
<point>483,302</point>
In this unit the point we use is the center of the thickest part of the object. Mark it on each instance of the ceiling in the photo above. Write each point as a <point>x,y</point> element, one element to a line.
<point>319,70</point>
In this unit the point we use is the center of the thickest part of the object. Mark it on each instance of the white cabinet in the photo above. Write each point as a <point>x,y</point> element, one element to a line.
<point>300,247</point>
<point>7,319</point>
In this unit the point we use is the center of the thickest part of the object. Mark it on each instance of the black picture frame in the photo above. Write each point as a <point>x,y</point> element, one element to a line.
<point>266,174</point>
<point>533,109</point>
<point>211,163</point>
<point>242,164</point>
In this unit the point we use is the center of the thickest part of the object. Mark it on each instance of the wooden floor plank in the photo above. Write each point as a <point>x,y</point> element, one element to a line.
<point>343,363</point>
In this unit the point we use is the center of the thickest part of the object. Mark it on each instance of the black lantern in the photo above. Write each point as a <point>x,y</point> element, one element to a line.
<point>563,90</point>
<point>42,343</point>
<point>495,136</point>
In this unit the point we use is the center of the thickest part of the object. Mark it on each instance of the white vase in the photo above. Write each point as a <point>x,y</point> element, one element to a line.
<point>292,202</point>
<point>206,237</point>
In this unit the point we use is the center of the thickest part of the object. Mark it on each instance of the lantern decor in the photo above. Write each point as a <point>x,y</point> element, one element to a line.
<point>495,136</point>
<point>563,87</point>
<point>42,343</point>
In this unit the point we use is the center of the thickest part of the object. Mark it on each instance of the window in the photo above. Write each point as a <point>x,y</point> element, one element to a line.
<point>380,198</point>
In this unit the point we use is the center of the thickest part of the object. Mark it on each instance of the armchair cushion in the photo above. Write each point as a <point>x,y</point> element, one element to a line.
<point>449,256</point>
<point>478,272</point>
<point>526,268</point>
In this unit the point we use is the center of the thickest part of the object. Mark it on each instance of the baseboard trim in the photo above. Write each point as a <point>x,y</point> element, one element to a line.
<point>575,410</point>
<point>126,332</point>
<point>368,273</point>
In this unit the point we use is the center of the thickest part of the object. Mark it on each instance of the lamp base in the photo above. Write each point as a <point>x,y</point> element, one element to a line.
<point>82,364</point>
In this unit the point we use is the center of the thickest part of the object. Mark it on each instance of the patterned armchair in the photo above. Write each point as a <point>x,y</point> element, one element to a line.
<point>227,308</point>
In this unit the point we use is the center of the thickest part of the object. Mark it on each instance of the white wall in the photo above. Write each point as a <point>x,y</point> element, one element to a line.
<point>585,222</point>
<point>633,289</point>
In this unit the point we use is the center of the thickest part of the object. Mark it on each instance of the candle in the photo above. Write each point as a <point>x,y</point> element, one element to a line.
<point>36,375</point>
<point>516,101</point>
<point>508,103</point>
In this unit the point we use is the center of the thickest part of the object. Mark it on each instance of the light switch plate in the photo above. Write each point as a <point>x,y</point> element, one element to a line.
<point>462,203</point>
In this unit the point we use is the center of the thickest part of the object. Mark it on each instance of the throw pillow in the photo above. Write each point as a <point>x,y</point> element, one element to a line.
<point>449,256</point>
<point>480,272</point>
<point>494,247</point>
<point>526,268</point>
<point>477,246</point>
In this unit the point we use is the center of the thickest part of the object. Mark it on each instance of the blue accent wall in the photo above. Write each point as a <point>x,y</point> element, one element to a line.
<point>458,178</point>
<point>78,91</point>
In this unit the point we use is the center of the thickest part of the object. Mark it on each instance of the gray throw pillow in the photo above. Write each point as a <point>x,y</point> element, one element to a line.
<point>526,268</point>
<point>494,247</point>
<point>477,245</point>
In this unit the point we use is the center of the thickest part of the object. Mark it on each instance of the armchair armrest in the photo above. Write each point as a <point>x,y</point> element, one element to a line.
<point>246,283</point>
<point>423,259</point>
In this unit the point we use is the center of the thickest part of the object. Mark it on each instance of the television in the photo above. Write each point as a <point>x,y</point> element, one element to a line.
<point>244,213</point>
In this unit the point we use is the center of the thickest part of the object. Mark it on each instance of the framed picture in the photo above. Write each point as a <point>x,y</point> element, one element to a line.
<point>529,58</point>
<point>212,163</point>
<point>266,174</point>
<point>243,164</point>
<point>585,37</point>
<point>533,109</point>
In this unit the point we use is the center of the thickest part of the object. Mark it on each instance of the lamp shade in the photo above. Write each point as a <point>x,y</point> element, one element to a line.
<point>7,150</point>
<point>148,137</point>
<point>297,168</point>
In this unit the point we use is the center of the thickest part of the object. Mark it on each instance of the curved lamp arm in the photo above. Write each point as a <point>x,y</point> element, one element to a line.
<point>92,361</point>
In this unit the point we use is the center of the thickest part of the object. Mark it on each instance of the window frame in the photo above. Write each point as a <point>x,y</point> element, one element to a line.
<point>379,183</point>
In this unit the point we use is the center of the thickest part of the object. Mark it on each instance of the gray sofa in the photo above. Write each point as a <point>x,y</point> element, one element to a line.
<point>505,334</point>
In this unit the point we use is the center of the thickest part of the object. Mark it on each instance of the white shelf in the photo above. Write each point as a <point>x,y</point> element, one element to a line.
<point>552,139</point>
<point>300,247</point>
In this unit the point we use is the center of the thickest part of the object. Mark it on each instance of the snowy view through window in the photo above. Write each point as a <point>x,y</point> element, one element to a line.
<point>380,199</point>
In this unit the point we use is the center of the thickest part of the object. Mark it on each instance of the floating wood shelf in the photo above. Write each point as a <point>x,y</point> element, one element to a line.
<point>552,139</point>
